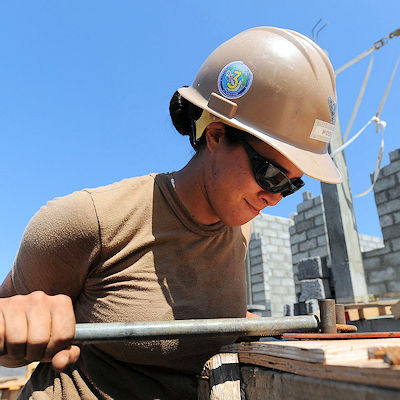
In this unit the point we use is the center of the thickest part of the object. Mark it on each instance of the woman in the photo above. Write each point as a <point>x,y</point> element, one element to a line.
<point>171,246</point>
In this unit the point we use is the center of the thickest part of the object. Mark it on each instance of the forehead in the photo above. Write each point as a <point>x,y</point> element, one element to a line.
<point>267,151</point>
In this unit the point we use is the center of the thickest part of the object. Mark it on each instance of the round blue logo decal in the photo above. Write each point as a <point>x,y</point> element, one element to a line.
<point>235,80</point>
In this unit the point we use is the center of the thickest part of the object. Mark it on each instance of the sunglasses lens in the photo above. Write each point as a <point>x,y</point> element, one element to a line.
<point>271,179</point>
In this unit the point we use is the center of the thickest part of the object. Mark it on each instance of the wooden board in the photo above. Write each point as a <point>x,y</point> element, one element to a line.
<point>345,360</point>
<point>355,312</point>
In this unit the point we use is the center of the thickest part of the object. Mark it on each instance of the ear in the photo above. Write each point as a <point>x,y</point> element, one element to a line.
<point>215,133</point>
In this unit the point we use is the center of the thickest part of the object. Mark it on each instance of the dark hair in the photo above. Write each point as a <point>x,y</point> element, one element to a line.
<point>184,114</point>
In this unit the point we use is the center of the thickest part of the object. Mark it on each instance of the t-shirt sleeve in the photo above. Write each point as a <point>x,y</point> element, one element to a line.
<point>58,248</point>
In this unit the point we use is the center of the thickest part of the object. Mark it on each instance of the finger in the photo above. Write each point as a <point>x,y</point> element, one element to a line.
<point>39,327</point>
<point>66,357</point>
<point>16,328</point>
<point>62,325</point>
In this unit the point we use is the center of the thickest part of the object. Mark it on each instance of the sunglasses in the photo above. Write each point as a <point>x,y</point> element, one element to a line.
<point>270,177</point>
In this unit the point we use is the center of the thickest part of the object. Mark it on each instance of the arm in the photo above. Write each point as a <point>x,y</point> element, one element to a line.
<point>37,321</point>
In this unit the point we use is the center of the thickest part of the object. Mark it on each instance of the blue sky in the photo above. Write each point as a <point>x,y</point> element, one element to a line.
<point>85,87</point>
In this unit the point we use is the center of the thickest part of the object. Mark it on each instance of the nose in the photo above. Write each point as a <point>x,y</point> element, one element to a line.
<point>271,199</point>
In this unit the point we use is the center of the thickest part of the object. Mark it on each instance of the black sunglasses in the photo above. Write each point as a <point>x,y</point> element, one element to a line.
<point>270,177</point>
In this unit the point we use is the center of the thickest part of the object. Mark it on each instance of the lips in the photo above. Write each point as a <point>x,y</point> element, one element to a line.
<point>253,209</point>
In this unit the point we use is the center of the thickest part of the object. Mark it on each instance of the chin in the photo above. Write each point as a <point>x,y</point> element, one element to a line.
<point>237,221</point>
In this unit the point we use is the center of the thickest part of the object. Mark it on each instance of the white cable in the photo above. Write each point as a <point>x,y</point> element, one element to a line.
<point>350,141</point>
<point>382,125</point>
<point>359,99</point>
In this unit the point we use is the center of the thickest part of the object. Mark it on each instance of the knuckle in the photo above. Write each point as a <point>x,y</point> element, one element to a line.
<point>38,296</point>
<point>63,300</point>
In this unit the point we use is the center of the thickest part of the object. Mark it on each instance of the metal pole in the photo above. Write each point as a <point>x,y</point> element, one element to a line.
<point>111,332</point>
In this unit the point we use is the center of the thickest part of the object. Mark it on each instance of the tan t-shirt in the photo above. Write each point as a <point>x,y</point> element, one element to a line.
<point>131,252</point>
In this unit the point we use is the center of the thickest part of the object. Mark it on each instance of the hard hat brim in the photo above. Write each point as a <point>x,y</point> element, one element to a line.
<point>319,166</point>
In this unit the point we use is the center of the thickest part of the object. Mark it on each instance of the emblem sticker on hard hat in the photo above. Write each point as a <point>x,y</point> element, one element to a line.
<point>235,80</point>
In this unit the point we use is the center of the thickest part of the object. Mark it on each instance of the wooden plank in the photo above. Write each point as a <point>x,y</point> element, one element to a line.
<point>315,351</point>
<point>377,373</point>
<point>345,360</point>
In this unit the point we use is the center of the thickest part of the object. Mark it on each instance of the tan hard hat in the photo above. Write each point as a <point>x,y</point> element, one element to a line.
<point>277,85</point>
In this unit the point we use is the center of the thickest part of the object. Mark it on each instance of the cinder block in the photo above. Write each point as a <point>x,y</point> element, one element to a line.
<point>394,155</point>
<point>256,260</point>
<point>314,232</point>
<point>392,168</point>
<point>257,269</point>
<point>299,308</point>
<point>258,297</point>
<point>388,207</point>
<point>317,200</point>
<point>297,238</point>
<point>312,306</point>
<point>396,216</point>
<point>313,267</point>
<point>390,232</point>
<point>298,257</point>
<point>319,220</point>
<point>380,197</point>
<point>257,278</point>
<point>288,310</point>
<point>288,282</point>
<point>384,183</point>
<point>304,225</point>
<point>382,275</point>
<point>372,263</point>
<point>394,193</point>
<point>314,289</point>
<point>386,220</point>
<point>258,287</point>
<point>395,243</point>
<point>322,240</point>
<point>392,259</point>
<point>394,286</point>
<point>298,218</point>
<point>304,206</point>
<point>378,288</point>
<point>308,245</point>
<point>307,195</point>
<point>321,251</point>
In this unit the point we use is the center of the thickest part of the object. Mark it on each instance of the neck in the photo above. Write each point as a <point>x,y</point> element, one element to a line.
<point>191,190</point>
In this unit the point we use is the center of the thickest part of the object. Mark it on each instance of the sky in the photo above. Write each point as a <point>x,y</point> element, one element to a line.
<point>85,88</point>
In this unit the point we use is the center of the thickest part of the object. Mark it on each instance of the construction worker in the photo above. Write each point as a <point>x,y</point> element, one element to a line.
<point>259,114</point>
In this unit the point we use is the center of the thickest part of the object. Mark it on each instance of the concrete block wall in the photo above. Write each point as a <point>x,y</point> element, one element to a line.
<point>271,271</point>
<point>382,266</point>
<point>308,235</point>
<point>368,243</point>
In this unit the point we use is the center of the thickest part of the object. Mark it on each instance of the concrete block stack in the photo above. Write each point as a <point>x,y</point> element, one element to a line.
<point>382,266</point>
<point>308,235</point>
<point>271,272</point>
<point>314,277</point>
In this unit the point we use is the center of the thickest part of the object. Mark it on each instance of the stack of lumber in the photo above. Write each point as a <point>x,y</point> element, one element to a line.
<point>355,312</point>
<point>342,360</point>
<point>300,370</point>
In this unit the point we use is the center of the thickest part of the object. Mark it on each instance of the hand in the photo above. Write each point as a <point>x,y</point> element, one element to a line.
<point>37,327</point>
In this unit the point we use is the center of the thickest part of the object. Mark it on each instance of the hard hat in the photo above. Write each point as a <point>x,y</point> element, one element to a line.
<point>277,85</point>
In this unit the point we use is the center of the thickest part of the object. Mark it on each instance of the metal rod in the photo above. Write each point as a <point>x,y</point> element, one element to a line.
<point>340,315</point>
<point>111,332</point>
<point>328,315</point>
